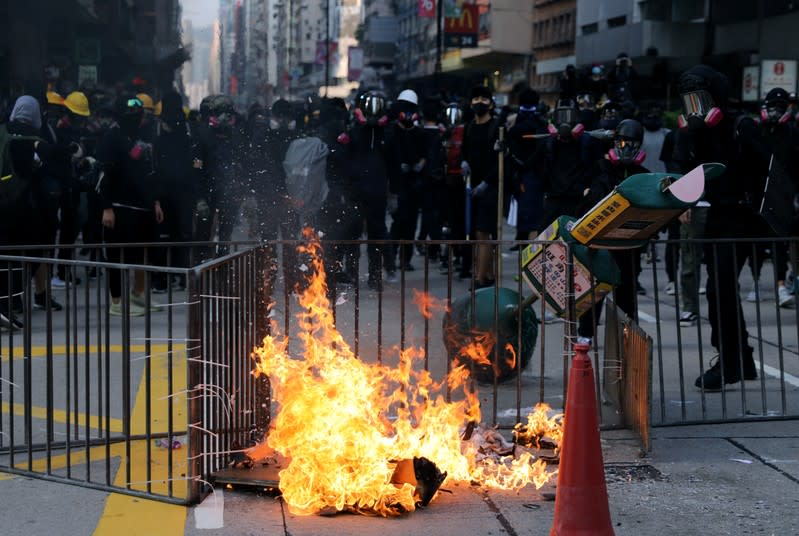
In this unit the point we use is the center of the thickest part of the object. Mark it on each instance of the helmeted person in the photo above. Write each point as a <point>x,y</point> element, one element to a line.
<point>219,153</point>
<point>407,156</point>
<point>522,148</point>
<point>566,161</point>
<point>176,175</point>
<point>70,130</point>
<point>623,160</point>
<point>434,187</point>
<point>711,132</point>
<point>130,199</point>
<point>367,154</point>
<point>455,217</point>
<point>780,139</point>
<point>622,78</point>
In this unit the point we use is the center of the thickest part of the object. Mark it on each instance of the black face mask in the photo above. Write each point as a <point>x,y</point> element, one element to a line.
<point>480,109</point>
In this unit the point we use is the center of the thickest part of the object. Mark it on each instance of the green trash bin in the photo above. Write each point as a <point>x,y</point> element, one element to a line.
<point>474,344</point>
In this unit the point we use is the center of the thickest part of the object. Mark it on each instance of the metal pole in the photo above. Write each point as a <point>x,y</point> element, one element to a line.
<point>500,201</point>
<point>439,34</point>
<point>327,45</point>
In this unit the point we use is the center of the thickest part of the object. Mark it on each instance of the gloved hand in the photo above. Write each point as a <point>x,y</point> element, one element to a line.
<point>465,168</point>
<point>480,190</point>
<point>392,203</point>
<point>405,168</point>
<point>500,146</point>
<point>418,166</point>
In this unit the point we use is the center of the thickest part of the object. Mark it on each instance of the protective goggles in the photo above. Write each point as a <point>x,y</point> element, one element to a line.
<point>697,102</point>
<point>135,103</point>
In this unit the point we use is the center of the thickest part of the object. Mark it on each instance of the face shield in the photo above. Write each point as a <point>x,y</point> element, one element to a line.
<point>564,116</point>
<point>453,115</point>
<point>373,106</point>
<point>697,103</point>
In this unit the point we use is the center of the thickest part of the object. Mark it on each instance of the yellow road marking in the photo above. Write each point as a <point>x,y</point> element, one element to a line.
<point>60,416</point>
<point>60,350</point>
<point>124,514</point>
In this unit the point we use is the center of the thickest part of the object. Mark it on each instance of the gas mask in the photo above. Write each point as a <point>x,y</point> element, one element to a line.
<point>700,111</point>
<point>775,113</point>
<point>564,124</point>
<point>626,152</point>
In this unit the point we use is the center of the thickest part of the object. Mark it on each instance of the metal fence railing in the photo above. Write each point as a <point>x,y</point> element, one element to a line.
<point>154,405</point>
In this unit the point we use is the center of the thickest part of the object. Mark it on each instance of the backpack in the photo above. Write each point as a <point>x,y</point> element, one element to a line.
<point>305,165</point>
<point>15,192</point>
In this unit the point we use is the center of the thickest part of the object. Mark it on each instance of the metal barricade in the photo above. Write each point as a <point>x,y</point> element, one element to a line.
<point>94,394</point>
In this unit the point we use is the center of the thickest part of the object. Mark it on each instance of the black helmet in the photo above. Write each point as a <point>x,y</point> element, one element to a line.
<point>704,93</point>
<point>627,146</point>
<point>565,113</point>
<point>631,130</point>
<point>775,106</point>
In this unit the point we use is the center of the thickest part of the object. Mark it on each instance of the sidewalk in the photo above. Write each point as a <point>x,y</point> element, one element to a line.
<point>713,480</point>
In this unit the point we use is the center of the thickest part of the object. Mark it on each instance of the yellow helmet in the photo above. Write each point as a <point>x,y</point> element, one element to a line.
<point>77,103</point>
<point>158,108</point>
<point>147,101</point>
<point>55,98</point>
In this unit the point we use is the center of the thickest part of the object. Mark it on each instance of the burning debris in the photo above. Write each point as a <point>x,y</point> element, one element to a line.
<point>372,438</point>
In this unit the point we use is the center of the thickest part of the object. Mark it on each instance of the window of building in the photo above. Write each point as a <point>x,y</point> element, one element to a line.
<point>588,29</point>
<point>615,22</point>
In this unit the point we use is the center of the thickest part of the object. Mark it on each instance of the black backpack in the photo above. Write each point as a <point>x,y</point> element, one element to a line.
<point>16,192</point>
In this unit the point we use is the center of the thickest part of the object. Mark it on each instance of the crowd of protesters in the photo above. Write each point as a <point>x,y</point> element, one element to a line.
<point>129,170</point>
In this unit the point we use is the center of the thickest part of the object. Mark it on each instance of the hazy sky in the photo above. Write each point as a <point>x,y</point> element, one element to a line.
<point>201,12</point>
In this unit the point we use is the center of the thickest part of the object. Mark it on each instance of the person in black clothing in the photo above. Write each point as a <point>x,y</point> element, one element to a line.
<point>408,158</point>
<point>480,161</point>
<point>522,147</point>
<point>176,174</point>
<point>621,79</point>
<point>569,83</point>
<point>780,140</point>
<point>336,220</point>
<point>26,217</point>
<point>130,201</point>
<point>620,162</point>
<point>434,188</point>
<point>369,177</point>
<point>567,162</point>
<point>711,132</point>
<point>218,152</point>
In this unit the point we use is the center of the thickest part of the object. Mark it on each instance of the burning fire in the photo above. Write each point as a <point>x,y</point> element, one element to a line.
<point>345,425</point>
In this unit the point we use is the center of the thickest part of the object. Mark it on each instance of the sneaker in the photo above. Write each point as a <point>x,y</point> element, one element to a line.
<point>391,277</point>
<point>784,297</point>
<point>688,319</point>
<point>585,340</point>
<point>140,301</point>
<point>133,310</point>
<point>550,318</point>
<point>670,289</point>
<point>40,302</point>
<point>58,283</point>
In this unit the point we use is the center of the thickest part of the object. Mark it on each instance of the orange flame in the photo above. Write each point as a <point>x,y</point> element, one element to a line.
<point>427,304</point>
<point>542,424</point>
<point>344,424</point>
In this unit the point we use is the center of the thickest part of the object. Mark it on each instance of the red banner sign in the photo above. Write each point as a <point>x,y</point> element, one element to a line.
<point>427,8</point>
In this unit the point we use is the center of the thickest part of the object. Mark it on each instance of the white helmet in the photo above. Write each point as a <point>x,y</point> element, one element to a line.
<point>409,95</point>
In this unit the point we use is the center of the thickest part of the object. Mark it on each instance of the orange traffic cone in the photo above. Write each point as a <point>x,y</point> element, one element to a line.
<point>581,500</point>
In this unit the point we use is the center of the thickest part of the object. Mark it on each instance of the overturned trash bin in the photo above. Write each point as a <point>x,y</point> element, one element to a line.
<point>472,334</point>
